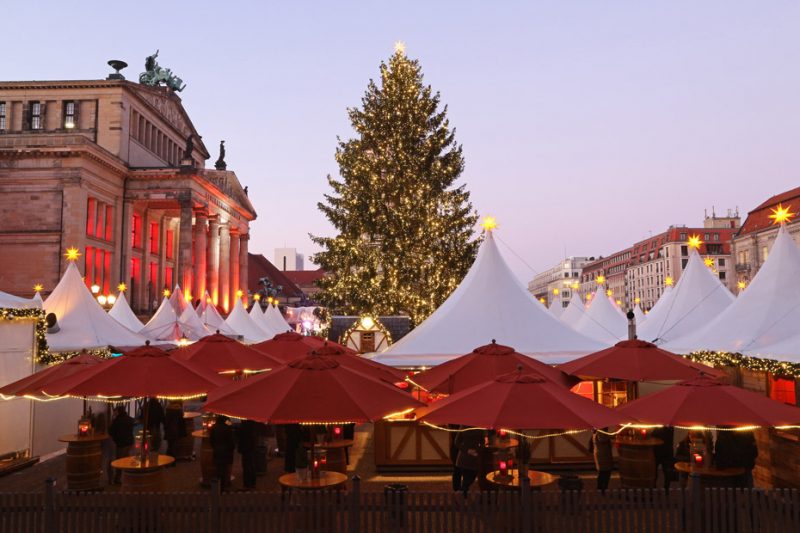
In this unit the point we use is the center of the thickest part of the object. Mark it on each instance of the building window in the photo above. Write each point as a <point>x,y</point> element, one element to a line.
<point>721,262</point>
<point>109,222</point>
<point>91,210</point>
<point>168,243</point>
<point>168,277</point>
<point>722,276</point>
<point>136,229</point>
<point>2,116</point>
<point>154,237</point>
<point>715,237</point>
<point>714,249</point>
<point>764,253</point>
<point>684,251</point>
<point>683,236</point>
<point>36,115</point>
<point>69,115</point>
<point>683,263</point>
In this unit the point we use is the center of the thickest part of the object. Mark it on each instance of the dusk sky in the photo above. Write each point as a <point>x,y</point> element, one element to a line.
<point>585,125</point>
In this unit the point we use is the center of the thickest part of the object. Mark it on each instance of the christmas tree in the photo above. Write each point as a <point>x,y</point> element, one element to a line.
<point>405,230</point>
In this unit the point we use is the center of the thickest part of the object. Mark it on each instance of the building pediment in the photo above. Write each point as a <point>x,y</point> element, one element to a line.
<point>227,182</point>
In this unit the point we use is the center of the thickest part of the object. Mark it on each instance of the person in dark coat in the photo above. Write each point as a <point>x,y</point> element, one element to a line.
<point>248,442</point>
<point>174,427</point>
<point>294,437</point>
<point>223,446</point>
<point>121,432</point>
<point>737,449</point>
<point>155,418</point>
<point>468,443</point>
<point>603,458</point>
<point>457,473</point>
<point>663,453</point>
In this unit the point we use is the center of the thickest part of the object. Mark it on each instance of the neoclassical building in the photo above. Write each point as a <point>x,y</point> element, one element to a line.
<point>117,170</point>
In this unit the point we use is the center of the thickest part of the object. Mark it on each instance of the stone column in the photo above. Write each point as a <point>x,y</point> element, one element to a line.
<point>184,275</point>
<point>212,259</point>
<point>224,268</point>
<point>243,279</point>
<point>126,250</point>
<point>200,254</point>
<point>234,264</point>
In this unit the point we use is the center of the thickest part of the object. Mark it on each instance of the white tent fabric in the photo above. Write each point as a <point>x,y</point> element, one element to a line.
<point>556,308</point>
<point>82,322</point>
<point>639,316</point>
<point>122,313</point>
<point>15,302</point>
<point>214,321</point>
<point>663,300</point>
<point>163,325</point>
<point>178,300</point>
<point>764,317</point>
<point>191,325</point>
<point>240,322</point>
<point>574,310</point>
<point>276,319</point>
<point>261,320</point>
<point>38,299</point>
<point>490,303</point>
<point>602,322</point>
<point>697,299</point>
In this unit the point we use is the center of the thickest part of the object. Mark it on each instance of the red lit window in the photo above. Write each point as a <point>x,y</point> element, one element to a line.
<point>100,223</point>
<point>168,243</point>
<point>168,277</point>
<point>109,222</point>
<point>135,269</point>
<point>91,208</point>
<point>153,274</point>
<point>136,228</point>
<point>88,266</point>
<point>98,266</point>
<point>106,272</point>
<point>154,237</point>
<point>782,390</point>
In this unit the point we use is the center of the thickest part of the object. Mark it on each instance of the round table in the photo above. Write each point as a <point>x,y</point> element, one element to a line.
<point>511,481</point>
<point>336,452</point>
<point>207,469</point>
<point>637,461</point>
<point>144,476</point>
<point>711,476</point>
<point>84,460</point>
<point>486,462</point>
<point>326,480</point>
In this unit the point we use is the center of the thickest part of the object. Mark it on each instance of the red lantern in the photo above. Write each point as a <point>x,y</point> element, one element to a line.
<point>337,432</point>
<point>698,459</point>
<point>503,468</point>
<point>502,433</point>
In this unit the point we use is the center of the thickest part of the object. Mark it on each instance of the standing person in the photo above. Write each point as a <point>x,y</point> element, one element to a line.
<point>468,443</point>
<point>121,432</point>
<point>603,458</point>
<point>457,472</point>
<point>101,425</point>
<point>174,427</point>
<point>248,442</point>
<point>663,452</point>
<point>294,436</point>
<point>155,417</point>
<point>747,442</point>
<point>223,445</point>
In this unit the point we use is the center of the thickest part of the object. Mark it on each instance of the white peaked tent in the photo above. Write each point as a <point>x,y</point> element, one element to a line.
<point>490,303</point>
<point>240,322</point>
<point>639,316</point>
<point>167,325</point>
<point>276,319</point>
<point>82,322</point>
<point>37,298</point>
<point>261,320</point>
<point>214,321</point>
<point>15,302</point>
<point>574,310</point>
<point>191,325</point>
<point>697,299</point>
<point>602,321</point>
<point>556,308</point>
<point>764,317</point>
<point>178,300</point>
<point>122,313</point>
<point>663,300</point>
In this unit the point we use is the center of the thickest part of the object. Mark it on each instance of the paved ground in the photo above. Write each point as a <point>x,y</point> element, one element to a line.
<point>185,476</point>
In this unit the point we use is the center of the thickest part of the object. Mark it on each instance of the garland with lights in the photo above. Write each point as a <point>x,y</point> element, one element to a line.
<point>40,329</point>
<point>325,320</point>
<point>755,364</point>
<point>53,358</point>
<point>405,228</point>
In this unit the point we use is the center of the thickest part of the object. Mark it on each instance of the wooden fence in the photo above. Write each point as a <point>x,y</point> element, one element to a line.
<point>690,511</point>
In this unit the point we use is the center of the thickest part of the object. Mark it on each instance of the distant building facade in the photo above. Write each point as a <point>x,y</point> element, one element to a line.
<point>557,283</point>
<point>103,166</point>
<point>288,259</point>
<point>612,268</point>
<point>752,242</point>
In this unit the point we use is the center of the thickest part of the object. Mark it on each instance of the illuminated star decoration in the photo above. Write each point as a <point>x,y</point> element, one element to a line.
<point>38,287</point>
<point>239,293</point>
<point>709,262</point>
<point>609,292</point>
<point>576,286</point>
<point>637,300</point>
<point>542,300</point>
<point>600,279</point>
<point>400,47</point>
<point>781,214</point>
<point>167,292</point>
<point>694,242</point>
<point>122,287</point>
<point>741,285</point>
<point>668,281</point>
<point>489,223</point>
<point>556,291</point>
<point>72,254</point>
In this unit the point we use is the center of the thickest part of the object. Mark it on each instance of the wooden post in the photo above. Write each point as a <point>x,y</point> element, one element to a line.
<point>354,511</point>
<point>696,507</point>
<point>525,495</point>
<point>216,524</point>
<point>49,506</point>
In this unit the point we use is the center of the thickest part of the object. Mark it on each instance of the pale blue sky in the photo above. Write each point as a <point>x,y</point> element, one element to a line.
<point>585,125</point>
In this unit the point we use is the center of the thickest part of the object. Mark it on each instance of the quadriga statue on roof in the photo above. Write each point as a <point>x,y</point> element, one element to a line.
<point>155,75</point>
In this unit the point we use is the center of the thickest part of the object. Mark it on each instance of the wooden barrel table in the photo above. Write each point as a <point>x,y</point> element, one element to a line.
<point>637,462</point>
<point>207,470</point>
<point>138,476</point>
<point>184,450</point>
<point>84,461</point>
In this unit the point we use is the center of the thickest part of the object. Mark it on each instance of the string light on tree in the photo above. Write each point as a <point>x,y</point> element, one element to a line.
<point>782,214</point>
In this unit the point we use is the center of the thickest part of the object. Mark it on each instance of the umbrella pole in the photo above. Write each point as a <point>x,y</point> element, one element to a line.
<point>144,429</point>
<point>84,406</point>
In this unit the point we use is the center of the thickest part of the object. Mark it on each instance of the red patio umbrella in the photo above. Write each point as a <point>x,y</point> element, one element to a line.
<point>484,364</point>
<point>290,345</point>
<point>634,360</point>
<point>704,401</point>
<point>522,400</point>
<point>222,354</point>
<point>143,372</point>
<point>34,384</point>
<point>314,389</point>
